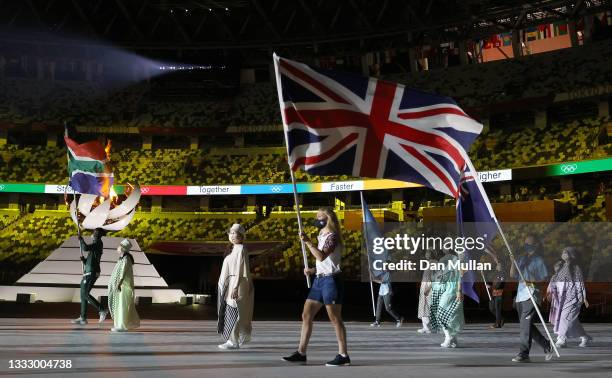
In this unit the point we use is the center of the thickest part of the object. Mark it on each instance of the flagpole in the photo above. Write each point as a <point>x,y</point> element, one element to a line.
<point>485,283</point>
<point>78,227</point>
<point>365,236</point>
<point>488,251</point>
<point>294,185</point>
<point>300,226</point>
<point>535,305</point>
<point>76,204</point>
<point>522,278</point>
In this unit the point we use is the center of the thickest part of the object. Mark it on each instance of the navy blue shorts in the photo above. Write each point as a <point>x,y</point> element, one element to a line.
<point>327,290</point>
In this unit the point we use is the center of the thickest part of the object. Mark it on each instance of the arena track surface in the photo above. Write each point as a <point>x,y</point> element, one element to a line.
<point>167,348</point>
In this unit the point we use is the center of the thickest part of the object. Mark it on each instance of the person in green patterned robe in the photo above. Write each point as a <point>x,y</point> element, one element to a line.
<point>121,291</point>
<point>446,302</point>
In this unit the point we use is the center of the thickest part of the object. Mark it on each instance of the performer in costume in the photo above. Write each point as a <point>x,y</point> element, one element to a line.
<point>327,289</point>
<point>425,295</point>
<point>446,302</point>
<point>91,272</point>
<point>236,293</point>
<point>121,291</point>
<point>569,294</point>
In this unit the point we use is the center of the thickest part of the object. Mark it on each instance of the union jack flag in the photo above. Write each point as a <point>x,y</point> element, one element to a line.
<point>339,123</point>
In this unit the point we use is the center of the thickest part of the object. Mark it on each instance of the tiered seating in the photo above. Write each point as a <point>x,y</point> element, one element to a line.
<point>256,104</point>
<point>7,219</point>
<point>577,140</point>
<point>24,101</point>
<point>595,212</point>
<point>150,166</point>
<point>147,229</point>
<point>290,261</point>
<point>531,76</point>
<point>34,236</point>
<point>85,103</point>
<point>229,168</point>
<point>27,239</point>
<point>176,114</point>
<point>35,164</point>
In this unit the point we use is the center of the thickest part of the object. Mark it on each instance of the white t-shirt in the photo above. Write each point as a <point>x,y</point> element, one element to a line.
<point>331,264</point>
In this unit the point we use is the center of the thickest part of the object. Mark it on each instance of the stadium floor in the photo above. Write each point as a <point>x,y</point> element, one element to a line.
<point>165,348</point>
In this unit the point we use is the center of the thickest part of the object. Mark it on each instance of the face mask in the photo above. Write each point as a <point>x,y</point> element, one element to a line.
<point>530,248</point>
<point>319,223</point>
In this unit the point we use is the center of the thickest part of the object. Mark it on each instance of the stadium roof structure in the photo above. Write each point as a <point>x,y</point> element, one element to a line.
<point>270,24</point>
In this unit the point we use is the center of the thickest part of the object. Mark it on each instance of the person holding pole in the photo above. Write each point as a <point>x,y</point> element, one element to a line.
<point>385,300</point>
<point>327,289</point>
<point>91,272</point>
<point>533,270</point>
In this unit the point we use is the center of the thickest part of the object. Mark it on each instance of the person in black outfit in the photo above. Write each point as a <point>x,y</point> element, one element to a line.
<point>497,293</point>
<point>91,272</point>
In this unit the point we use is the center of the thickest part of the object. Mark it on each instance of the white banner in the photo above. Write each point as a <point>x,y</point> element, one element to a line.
<point>341,186</point>
<point>58,189</point>
<point>491,176</point>
<point>213,190</point>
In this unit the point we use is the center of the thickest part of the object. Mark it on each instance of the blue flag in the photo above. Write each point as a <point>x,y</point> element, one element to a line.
<point>475,218</point>
<point>371,231</point>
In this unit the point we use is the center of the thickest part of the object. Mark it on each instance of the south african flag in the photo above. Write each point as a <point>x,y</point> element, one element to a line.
<point>88,168</point>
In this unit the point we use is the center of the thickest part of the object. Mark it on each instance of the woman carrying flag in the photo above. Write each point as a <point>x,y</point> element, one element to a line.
<point>327,288</point>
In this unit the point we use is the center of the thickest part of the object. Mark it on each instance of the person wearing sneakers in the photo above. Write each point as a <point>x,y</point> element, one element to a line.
<point>568,293</point>
<point>446,305</point>
<point>327,289</point>
<point>91,272</point>
<point>424,295</point>
<point>236,293</point>
<point>385,300</point>
<point>534,270</point>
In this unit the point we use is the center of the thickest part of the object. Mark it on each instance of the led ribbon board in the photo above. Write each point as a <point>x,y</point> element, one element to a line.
<point>563,169</point>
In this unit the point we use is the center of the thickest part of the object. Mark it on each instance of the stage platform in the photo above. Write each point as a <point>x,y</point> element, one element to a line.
<point>180,348</point>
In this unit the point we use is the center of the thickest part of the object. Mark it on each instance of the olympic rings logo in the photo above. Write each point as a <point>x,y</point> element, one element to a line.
<point>569,168</point>
<point>276,189</point>
<point>2,187</point>
<point>144,189</point>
